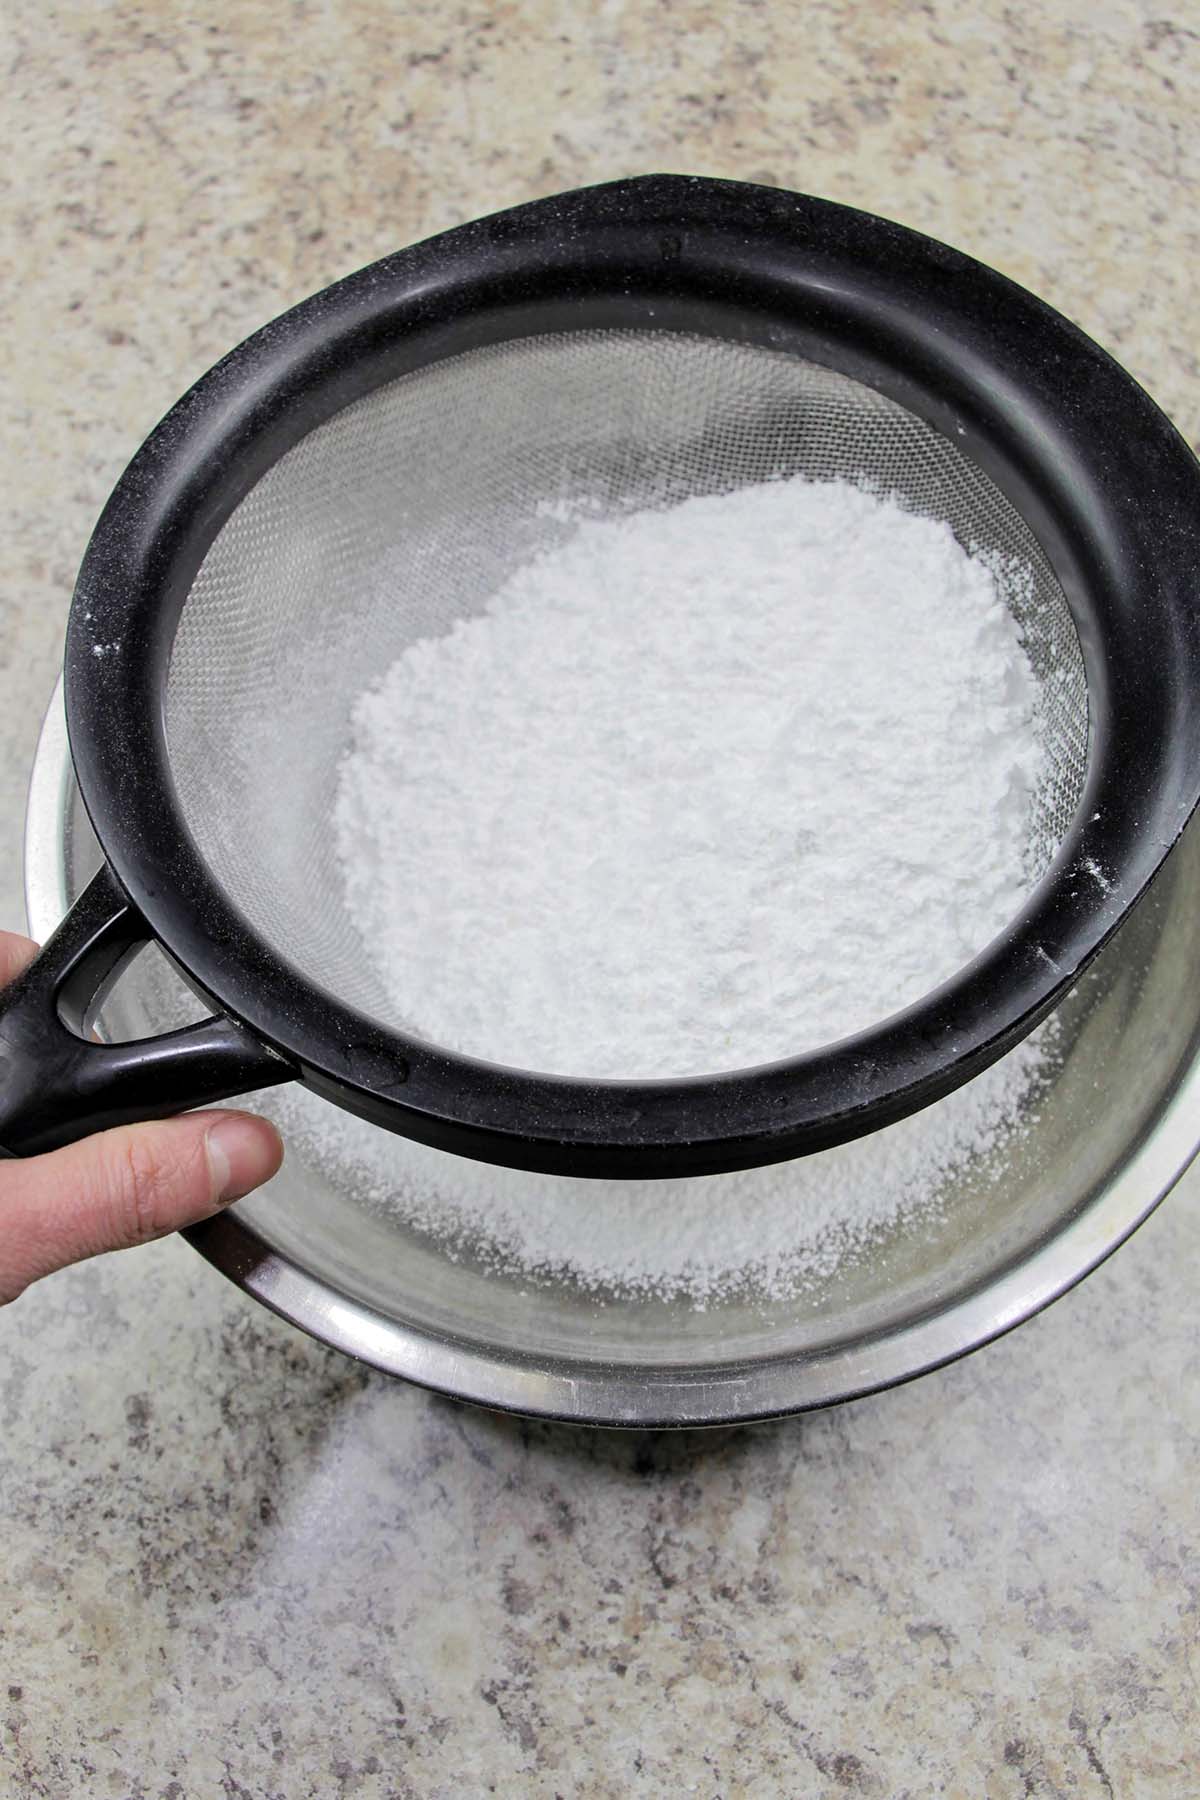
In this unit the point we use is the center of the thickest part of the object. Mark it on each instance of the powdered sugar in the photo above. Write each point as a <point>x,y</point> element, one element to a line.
<point>700,788</point>
<point>772,1231</point>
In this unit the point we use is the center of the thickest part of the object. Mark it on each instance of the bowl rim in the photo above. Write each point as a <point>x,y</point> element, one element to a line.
<point>636,1395</point>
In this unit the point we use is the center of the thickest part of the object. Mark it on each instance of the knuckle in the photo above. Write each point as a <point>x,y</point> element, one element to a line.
<point>148,1179</point>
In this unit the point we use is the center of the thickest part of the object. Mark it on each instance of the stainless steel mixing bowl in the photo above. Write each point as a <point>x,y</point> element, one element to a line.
<point>1114,1131</point>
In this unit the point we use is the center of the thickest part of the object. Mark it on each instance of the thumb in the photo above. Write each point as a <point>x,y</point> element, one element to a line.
<point>125,1187</point>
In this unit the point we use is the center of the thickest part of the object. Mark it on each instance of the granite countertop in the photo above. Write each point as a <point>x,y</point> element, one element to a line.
<point>236,1564</point>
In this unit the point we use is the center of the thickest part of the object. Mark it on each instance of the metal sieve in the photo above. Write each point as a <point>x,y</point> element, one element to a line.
<point>412,507</point>
<point>371,468</point>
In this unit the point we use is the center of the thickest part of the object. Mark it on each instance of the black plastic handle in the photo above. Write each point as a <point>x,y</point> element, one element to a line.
<point>57,1084</point>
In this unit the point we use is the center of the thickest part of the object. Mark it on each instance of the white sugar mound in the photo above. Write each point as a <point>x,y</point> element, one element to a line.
<point>700,788</point>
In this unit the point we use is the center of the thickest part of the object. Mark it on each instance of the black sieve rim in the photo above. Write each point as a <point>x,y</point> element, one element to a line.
<point>1106,484</point>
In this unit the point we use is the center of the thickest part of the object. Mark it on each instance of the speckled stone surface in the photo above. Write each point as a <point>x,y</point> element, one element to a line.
<point>234,1564</point>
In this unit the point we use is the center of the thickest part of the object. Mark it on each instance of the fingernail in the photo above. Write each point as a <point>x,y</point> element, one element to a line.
<point>243,1152</point>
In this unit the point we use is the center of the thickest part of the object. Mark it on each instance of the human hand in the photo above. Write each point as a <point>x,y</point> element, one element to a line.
<point>122,1187</point>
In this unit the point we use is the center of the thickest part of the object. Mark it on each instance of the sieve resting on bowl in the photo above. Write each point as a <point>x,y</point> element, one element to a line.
<point>437,416</point>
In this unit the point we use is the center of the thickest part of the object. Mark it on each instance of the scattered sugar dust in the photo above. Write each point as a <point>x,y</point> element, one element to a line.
<point>770,1232</point>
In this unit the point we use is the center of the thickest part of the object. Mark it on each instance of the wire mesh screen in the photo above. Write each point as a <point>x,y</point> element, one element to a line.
<point>410,508</point>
